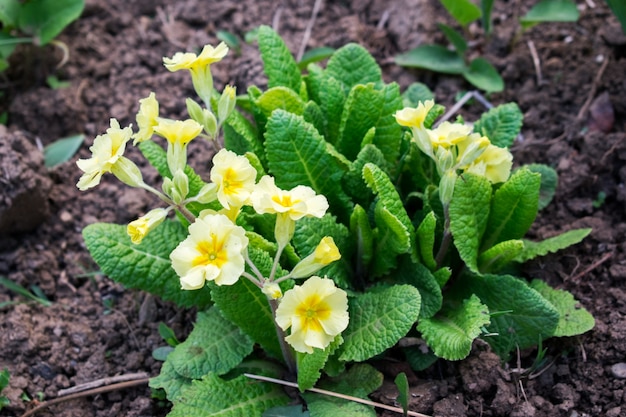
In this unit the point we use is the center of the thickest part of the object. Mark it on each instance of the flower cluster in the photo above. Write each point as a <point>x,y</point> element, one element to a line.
<point>216,248</point>
<point>455,149</point>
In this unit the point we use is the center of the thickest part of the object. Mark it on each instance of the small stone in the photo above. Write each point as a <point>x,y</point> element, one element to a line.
<point>614,412</point>
<point>65,216</point>
<point>619,370</point>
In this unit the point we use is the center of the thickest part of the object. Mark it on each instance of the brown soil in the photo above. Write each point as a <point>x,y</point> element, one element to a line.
<point>96,329</point>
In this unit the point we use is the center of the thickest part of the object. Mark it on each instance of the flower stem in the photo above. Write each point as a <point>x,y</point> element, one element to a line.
<point>446,240</point>
<point>288,355</point>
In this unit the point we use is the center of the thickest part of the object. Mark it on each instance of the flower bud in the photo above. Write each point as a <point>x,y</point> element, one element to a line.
<point>272,290</point>
<point>138,229</point>
<point>446,187</point>
<point>325,253</point>
<point>227,102</point>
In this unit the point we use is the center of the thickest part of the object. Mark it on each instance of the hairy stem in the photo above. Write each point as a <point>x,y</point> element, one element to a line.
<point>288,355</point>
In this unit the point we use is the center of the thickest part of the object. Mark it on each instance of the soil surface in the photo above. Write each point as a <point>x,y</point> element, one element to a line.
<point>572,96</point>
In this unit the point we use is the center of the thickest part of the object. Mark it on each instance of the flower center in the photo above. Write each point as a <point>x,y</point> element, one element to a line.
<point>311,312</point>
<point>212,252</point>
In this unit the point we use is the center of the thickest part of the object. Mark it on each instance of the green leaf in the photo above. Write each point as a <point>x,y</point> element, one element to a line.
<point>168,334</point>
<point>311,364</point>
<point>454,37</point>
<point>486,6</point>
<point>352,65</point>
<point>434,58</point>
<point>245,305</point>
<point>4,379</point>
<point>463,11</point>
<point>420,277</point>
<point>394,231</point>
<point>415,93</point>
<point>18,289</point>
<point>280,98</point>
<point>549,182</point>
<point>418,359</point>
<point>278,63</point>
<point>361,232</point>
<point>313,114</point>
<point>526,316</point>
<point>484,76</point>
<point>287,411</point>
<point>619,10</point>
<point>310,231</point>
<point>241,137</point>
<point>45,19</point>
<point>229,39</point>
<point>501,124</point>
<point>213,396</point>
<point>402,383</point>
<point>214,345</point>
<point>9,12</point>
<point>378,320</point>
<point>513,208</point>
<point>315,55</point>
<point>172,382</point>
<point>500,255</point>
<point>328,93</point>
<point>426,240</point>
<point>551,245</point>
<point>297,155</point>
<point>550,11</point>
<point>574,319</point>
<point>145,266</point>
<point>61,150</point>
<point>353,181</point>
<point>469,211</point>
<point>451,332</point>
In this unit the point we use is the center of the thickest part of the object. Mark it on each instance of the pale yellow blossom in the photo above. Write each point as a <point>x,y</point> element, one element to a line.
<point>414,117</point>
<point>138,229</point>
<point>191,61</point>
<point>316,312</point>
<point>213,251</point>
<point>448,134</point>
<point>234,177</point>
<point>494,164</point>
<point>325,253</point>
<point>272,290</point>
<point>147,118</point>
<point>178,134</point>
<point>106,151</point>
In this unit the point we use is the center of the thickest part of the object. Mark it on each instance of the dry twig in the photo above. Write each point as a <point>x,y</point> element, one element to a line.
<point>593,266</point>
<point>592,92</point>
<point>536,61</point>
<point>309,28</point>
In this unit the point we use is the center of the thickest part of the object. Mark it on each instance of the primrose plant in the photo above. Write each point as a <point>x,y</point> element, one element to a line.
<point>338,221</point>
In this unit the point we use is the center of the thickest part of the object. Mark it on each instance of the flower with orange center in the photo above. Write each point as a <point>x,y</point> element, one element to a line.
<point>234,177</point>
<point>316,312</point>
<point>213,251</point>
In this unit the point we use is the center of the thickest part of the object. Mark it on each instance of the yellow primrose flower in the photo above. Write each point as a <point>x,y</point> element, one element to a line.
<point>178,135</point>
<point>191,61</point>
<point>448,134</point>
<point>106,151</point>
<point>325,253</point>
<point>316,312</point>
<point>234,177</point>
<point>138,229</point>
<point>289,205</point>
<point>147,118</point>
<point>213,251</point>
<point>272,290</point>
<point>494,163</point>
<point>414,117</point>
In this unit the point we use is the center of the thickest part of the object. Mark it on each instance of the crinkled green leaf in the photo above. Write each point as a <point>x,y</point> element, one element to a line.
<point>526,317</point>
<point>310,231</point>
<point>434,58</point>
<point>501,124</point>
<point>513,208</point>
<point>171,381</point>
<point>420,277</point>
<point>378,320</point>
<point>363,237</point>
<point>388,135</point>
<point>360,114</point>
<point>287,411</point>
<point>500,255</point>
<point>241,137</point>
<point>426,240</point>
<point>574,319</point>
<point>278,63</point>
<point>415,93</point>
<point>146,266</point>
<point>549,182</point>
<point>45,19</point>
<point>451,332</point>
<point>246,306</point>
<point>310,364</point>
<point>351,65</point>
<point>469,211</point>
<point>328,93</point>
<point>394,231</point>
<point>9,12</point>
<point>463,11</point>
<point>551,245</point>
<point>619,10</point>
<point>238,397</point>
<point>313,114</point>
<point>315,55</point>
<point>550,11</point>
<point>297,155</point>
<point>280,98</point>
<point>353,181</point>
<point>214,345</point>
<point>482,74</point>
